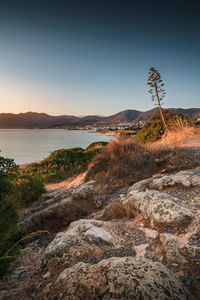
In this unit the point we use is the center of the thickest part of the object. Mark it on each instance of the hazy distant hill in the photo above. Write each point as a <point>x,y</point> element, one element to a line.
<point>128,115</point>
<point>42,120</point>
<point>87,120</point>
<point>33,120</point>
<point>192,113</point>
<point>145,116</point>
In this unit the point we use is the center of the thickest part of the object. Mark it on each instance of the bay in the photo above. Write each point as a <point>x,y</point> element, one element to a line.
<point>31,145</point>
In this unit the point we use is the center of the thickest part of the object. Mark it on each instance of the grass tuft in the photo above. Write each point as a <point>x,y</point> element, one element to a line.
<point>123,162</point>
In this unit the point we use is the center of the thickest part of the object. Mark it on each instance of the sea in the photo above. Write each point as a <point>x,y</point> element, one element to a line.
<point>32,145</point>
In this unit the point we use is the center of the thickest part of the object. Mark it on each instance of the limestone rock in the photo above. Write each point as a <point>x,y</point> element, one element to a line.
<point>171,244</point>
<point>177,250</point>
<point>84,238</point>
<point>159,206</point>
<point>59,208</point>
<point>141,185</point>
<point>119,278</point>
<point>79,232</point>
<point>186,178</point>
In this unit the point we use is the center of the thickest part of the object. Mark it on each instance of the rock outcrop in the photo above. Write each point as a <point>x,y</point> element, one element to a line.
<point>159,206</point>
<point>83,239</point>
<point>188,178</point>
<point>154,198</point>
<point>142,242</point>
<point>119,278</point>
<point>59,208</point>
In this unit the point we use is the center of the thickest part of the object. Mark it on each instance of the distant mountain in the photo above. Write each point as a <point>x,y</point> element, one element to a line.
<point>145,116</point>
<point>33,120</point>
<point>128,115</point>
<point>88,120</point>
<point>192,113</point>
<point>42,120</point>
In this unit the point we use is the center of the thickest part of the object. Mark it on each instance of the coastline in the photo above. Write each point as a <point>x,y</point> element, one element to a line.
<point>26,146</point>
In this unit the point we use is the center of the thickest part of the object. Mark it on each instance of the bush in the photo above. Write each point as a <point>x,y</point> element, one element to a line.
<point>96,145</point>
<point>154,129</point>
<point>63,163</point>
<point>124,162</point>
<point>150,132</point>
<point>8,214</point>
<point>16,190</point>
<point>26,190</point>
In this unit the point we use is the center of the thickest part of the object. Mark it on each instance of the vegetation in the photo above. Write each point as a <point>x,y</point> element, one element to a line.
<point>155,128</point>
<point>96,145</point>
<point>8,213</point>
<point>124,162</point>
<point>16,190</point>
<point>26,190</point>
<point>126,132</point>
<point>63,163</point>
<point>157,91</point>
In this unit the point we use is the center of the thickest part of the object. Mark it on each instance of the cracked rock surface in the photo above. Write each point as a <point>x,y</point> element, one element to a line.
<point>137,243</point>
<point>120,278</point>
<point>59,208</point>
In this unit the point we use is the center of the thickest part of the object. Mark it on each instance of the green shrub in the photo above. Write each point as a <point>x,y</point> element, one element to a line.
<point>96,145</point>
<point>8,214</point>
<point>27,189</point>
<point>16,190</point>
<point>150,132</point>
<point>63,163</point>
<point>154,129</point>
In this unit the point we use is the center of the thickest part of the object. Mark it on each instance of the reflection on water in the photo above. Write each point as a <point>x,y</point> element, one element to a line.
<point>29,145</point>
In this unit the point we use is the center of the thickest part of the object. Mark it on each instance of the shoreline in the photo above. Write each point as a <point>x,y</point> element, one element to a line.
<point>28,146</point>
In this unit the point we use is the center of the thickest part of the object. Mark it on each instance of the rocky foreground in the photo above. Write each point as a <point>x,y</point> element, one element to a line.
<point>141,242</point>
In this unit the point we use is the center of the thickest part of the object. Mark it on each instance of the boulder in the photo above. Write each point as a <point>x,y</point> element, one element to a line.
<point>58,209</point>
<point>119,278</point>
<point>82,240</point>
<point>188,178</point>
<point>178,250</point>
<point>79,232</point>
<point>159,206</point>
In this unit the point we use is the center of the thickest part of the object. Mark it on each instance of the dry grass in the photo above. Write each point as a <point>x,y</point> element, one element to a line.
<point>124,162</point>
<point>114,211</point>
<point>29,236</point>
<point>176,135</point>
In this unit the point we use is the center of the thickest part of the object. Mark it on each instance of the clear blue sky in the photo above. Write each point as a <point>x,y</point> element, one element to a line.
<point>92,57</point>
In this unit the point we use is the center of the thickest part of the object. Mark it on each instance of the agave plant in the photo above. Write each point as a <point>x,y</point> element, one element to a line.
<point>156,90</point>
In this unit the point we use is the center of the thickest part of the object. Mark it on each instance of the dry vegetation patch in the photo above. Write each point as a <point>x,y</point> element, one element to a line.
<point>176,136</point>
<point>124,162</point>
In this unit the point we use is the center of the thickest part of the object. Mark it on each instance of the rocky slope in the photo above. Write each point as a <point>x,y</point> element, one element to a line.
<point>141,242</point>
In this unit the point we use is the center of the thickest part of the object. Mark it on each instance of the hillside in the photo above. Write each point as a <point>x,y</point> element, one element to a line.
<point>123,116</point>
<point>42,120</point>
<point>33,120</point>
<point>145,116</point>
<point>192,113</point>
<point>137,241</point>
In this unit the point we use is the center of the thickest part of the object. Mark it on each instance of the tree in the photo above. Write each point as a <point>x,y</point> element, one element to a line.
<point>156,90</point>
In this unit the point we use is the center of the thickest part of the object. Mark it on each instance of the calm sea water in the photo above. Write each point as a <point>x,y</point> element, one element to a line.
<point>30,145</point>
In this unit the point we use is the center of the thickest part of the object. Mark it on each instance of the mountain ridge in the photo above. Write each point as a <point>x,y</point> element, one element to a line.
<point>30,120</point>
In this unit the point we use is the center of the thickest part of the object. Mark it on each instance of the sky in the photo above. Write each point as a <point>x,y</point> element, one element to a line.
<point>93,57</point>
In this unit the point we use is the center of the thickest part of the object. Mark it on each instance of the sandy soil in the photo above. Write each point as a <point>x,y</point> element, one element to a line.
<point>68,183</point>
